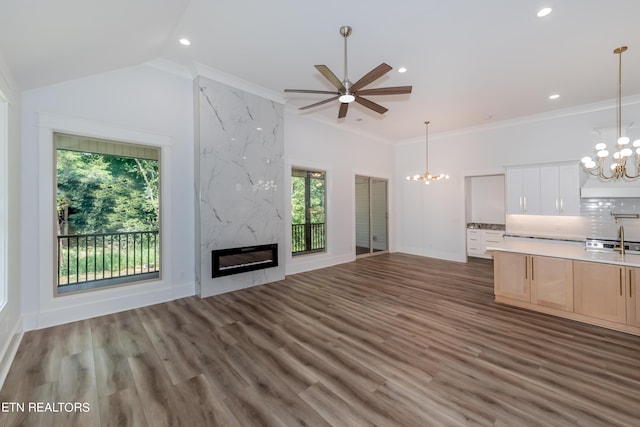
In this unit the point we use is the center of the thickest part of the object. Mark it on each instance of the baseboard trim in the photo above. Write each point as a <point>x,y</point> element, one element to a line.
<point>59,316</point>
<point>9,351</point>
<point>314,262</point>
<point>430,253</point>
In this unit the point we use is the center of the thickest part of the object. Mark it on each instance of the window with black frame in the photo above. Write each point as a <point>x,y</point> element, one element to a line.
<point>308,211</point>
<point>108,209</point>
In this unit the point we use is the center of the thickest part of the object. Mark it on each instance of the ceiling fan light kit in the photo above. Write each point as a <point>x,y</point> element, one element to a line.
<point>348,92</point>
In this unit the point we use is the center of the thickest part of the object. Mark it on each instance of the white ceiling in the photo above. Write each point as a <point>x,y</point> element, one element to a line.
<point>470,62</point>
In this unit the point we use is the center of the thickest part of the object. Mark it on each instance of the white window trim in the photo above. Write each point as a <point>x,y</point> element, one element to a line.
<point>53,309</point>
<point>4,202</point>
<point>309,262</point>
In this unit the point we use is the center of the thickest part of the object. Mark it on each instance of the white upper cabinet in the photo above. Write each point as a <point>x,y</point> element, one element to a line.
<point>523,190</point>
<point>560,189</point>
<point>569,185</point>
<point>544,190</point>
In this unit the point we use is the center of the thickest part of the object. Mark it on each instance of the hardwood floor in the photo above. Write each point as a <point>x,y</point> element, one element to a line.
<point>391,340</point>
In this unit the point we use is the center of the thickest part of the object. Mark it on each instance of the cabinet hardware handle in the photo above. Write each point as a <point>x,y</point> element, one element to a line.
<point>532,269</point>
<point>557,208</point>
<point>630,285</point>
<point>561,205</point>
<point>526,266</point>
<point>525,203</point>
<point>520,199</point>
<point>620,271</point>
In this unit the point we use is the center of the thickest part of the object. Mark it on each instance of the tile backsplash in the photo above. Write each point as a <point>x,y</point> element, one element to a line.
<point>601,223</point>
<point>595,220</point>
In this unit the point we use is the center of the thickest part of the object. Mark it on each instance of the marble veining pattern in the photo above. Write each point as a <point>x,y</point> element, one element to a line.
<point>240,179</point>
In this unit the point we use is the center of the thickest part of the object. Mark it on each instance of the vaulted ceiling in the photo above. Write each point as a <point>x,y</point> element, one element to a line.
<point>470,62</point>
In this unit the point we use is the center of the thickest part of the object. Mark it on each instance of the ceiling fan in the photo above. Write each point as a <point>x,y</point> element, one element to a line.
<point>348,92</point>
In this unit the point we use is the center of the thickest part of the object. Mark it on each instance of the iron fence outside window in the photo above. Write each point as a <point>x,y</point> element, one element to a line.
<point>84,258</point>
<point>307,238</point>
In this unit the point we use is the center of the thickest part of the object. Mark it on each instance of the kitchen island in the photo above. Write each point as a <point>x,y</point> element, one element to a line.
<point>600,288</point>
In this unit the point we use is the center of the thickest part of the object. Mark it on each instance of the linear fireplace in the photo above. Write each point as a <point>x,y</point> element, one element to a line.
<point>239,260</point>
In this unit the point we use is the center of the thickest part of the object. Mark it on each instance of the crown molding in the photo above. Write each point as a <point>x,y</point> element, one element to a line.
<point>519,121</point>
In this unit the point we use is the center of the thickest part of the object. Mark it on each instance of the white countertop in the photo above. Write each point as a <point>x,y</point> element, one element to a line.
<point>566,251</point>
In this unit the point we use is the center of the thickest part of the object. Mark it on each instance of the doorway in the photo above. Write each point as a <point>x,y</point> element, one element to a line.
<point>372,234</point>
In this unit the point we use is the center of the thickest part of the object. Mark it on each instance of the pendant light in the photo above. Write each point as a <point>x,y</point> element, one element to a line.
<point>618,167</point>
<point>427,177</point>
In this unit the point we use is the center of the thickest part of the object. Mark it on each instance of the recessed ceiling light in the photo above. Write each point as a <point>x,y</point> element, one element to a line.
<point>543,12</point>
<point>402,69</point>
<point>554,96</point>
<point>184,42</point>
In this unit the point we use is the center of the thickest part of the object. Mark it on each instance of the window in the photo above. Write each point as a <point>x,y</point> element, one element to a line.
<point>4,198</point>
<point>107,205</point>
<point>308,212</point>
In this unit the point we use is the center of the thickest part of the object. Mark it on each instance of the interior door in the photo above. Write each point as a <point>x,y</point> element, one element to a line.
<point>372,234</point>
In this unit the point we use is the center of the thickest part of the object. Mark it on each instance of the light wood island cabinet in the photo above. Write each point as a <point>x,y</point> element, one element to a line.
<point>552,282</point>
<point>608,292</point>
<point>541,280</point>
<point>599,290</point>
<point>511,276</point>
<point>633,297</point>
<point>600,293</point>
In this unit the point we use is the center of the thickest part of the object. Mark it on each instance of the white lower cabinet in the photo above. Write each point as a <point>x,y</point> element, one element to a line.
<point>474,244</point>
<point>478,240</point>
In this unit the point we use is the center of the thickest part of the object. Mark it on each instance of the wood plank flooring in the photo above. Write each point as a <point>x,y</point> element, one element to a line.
<point>391,340</point>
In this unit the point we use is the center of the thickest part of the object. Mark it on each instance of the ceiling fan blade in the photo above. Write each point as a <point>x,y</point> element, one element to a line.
<point>328,92</point>
<point>319,103</point>
<point>328,74</point>
<point>371,105</point>
<point>343,110</point>
<point>396,90</point>
<point>371,76</point>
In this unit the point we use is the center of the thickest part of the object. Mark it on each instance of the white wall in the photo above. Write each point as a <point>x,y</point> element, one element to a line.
<point>431,219</point>
<point>10,319</point>
<point>138,103</point>
<point>343,155</point>
<point>158,104</point>
<point>486,199</point>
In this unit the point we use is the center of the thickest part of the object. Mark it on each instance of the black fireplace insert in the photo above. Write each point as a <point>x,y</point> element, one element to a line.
<point>239,260</point>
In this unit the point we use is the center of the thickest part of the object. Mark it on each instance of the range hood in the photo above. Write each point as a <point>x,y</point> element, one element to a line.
<point>595,188</point>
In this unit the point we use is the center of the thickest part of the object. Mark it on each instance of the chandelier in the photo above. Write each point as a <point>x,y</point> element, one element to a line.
<point>618,167</point>
<point>427,177</point>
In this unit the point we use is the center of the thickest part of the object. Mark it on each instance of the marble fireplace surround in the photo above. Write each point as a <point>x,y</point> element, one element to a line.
<point>239,163</point>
